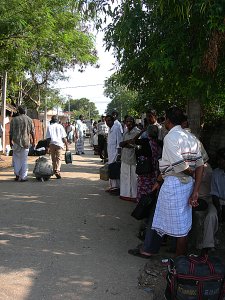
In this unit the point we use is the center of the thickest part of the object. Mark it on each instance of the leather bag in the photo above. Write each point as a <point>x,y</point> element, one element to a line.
<point>114,170</point>
<point>143,208</point>
<point>144,165</point>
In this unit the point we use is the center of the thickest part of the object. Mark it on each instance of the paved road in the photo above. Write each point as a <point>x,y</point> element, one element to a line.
<point>66,239</point>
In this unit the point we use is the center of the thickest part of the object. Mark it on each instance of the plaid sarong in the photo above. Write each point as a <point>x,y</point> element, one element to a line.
<point>173,214</point>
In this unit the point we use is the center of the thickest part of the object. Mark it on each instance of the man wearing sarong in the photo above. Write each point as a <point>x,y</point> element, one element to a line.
<point>181,168</point>
<point>21,136</point>
<point>113,148</point>
<point>79,132</point>
<point>128,176</point>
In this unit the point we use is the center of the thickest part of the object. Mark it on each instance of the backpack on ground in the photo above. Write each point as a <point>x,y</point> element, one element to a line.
<point>195,278</point>
<point>43,168</point>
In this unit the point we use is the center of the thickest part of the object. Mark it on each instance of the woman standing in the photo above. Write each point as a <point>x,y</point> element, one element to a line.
<point>128,176</point>
<point>150,151</point>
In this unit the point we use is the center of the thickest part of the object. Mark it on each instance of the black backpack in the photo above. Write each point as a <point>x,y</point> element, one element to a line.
<point>195,278</point>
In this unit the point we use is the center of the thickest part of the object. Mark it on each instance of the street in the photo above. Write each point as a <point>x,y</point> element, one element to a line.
<point>67,239</point>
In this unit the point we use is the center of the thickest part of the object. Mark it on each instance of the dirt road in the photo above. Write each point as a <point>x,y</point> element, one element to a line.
<point>66,239</point>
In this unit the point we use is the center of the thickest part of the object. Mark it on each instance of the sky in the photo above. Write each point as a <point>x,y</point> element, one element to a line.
<point>91,76</point>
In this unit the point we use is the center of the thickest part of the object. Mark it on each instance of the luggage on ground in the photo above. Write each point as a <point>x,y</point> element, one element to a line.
<point>68,157</point>
<point>43,168</point>
<point>195,278</point>
<point>104,172</point>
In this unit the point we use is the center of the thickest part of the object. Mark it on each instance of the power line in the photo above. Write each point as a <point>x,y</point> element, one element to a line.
<point>80,86</point>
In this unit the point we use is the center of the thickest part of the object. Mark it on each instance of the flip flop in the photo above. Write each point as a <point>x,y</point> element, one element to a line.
<point>136,252</point>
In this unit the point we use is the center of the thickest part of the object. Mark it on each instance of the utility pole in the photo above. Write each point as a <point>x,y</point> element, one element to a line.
<point>46,113</point>
<point>69,109</point>
<point>4,88</point>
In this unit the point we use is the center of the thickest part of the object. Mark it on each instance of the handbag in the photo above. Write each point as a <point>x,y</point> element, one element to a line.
<point>142,210</point>
<point>68,157</point>
<point>114,170</point>
<point>194,278</point>
<point>144,165</point>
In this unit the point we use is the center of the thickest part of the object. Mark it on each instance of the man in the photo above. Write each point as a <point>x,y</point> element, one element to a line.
<point>116,121</point>
<point>79,131</point>
<point>102,132</point>
<point>21,132</point>
<point>56,136</point>
<point>218,185</point>
<point>114,139</point>
<point>181,161</point>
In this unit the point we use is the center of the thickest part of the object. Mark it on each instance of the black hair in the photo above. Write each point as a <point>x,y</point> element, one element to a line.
<point>175,115</point>
<point>115,113</point>
<point>54,119</point>
<point>110,117</point>
<point>21,110</point>
<point>152,112</point>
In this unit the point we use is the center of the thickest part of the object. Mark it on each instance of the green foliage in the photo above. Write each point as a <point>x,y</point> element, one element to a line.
<point>40,39</point>
<point>122,100</point>
<point>83,107</point>
<point>168,51</point>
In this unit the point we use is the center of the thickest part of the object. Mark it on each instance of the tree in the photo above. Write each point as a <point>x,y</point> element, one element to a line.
<point>122,100</point>
<point>39,39</point>
<point>83,107</point>
<point>171,52</point>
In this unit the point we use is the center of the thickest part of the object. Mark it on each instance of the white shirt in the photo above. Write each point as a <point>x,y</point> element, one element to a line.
<point>56,133</point>
<point>80,126</point>
<point>181,150</point>
<point>114,138</point>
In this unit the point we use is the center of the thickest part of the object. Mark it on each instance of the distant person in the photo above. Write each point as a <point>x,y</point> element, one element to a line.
<point>116,121</point>
<point>102,132</point>
<point>79,134</point>
<point>113,143</point>
<point>21,133</point>
<point>56,136</point>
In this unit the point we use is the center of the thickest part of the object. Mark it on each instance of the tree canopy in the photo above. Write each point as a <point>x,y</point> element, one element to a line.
<point>83,107</point>
<point>39,39</point>
<point>168,51</point>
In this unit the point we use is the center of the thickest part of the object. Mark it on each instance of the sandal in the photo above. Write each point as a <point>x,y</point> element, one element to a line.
<point>136,252</point>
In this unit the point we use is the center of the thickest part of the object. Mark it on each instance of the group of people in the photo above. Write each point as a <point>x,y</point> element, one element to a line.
<point>169,163</point>
<point>164,160</point>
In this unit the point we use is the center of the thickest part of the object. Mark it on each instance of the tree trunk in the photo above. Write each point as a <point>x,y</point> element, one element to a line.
<point>194,116</point>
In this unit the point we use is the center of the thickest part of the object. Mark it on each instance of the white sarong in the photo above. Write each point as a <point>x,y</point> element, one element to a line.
<point>128,182</point>
<point>173,214</point>
<point>20,161</point>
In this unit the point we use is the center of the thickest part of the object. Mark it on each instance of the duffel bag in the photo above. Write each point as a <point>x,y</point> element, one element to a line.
<point>43,168</point>
<point>195,278</point>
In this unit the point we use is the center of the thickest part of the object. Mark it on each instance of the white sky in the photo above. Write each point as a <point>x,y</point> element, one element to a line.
<point>91,76</point>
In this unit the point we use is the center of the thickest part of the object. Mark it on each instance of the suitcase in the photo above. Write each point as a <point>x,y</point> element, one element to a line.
<point>195,278</point>
<point>104,172</point>
<point>68,157</point>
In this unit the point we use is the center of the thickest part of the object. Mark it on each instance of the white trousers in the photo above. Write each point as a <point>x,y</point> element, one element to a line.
<point>20,162</point>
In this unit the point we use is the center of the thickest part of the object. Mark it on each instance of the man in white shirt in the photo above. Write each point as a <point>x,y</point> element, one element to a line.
<point>80,129</point>
<point>56,137</point>
<point>114,138</point>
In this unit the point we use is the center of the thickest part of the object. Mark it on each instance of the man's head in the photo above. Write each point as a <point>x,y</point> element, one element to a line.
<point>54,119</point>
<point>81,117</point>
<point>221,158</point>
<point>109,121</point>
<point>22,110</point>
<point>174,116</point>
<point>151,116</point>
<point>115,115</point>
<point>130,122</point>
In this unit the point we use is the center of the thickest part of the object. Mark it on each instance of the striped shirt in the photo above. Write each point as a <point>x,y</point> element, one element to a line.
<point>181,150</point>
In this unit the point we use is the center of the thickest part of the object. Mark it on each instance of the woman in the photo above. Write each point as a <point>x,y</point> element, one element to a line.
<point>128,176</point>
<point>150,151</point>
